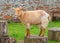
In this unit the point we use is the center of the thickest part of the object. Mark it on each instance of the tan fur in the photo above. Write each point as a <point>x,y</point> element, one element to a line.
<point>38,17</point>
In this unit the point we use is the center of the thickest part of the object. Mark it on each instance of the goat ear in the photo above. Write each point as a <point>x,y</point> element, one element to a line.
<point>22,9</point>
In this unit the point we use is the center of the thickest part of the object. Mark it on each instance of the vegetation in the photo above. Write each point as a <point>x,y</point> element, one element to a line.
<point>18,30</point>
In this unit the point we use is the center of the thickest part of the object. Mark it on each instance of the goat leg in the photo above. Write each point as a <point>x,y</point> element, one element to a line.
<point>42,32</point>
<point>28,33</point>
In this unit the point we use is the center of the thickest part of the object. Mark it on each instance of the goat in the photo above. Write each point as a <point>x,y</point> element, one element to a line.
<point>37,17</point>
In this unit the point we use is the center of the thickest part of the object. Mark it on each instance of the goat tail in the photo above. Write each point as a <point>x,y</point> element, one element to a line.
<point>49,18</point>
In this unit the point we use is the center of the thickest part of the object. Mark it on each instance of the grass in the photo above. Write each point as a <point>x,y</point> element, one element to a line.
<point>18,30</point>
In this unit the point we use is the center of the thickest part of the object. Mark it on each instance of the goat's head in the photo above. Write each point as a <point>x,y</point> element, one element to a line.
<point>18,11</point>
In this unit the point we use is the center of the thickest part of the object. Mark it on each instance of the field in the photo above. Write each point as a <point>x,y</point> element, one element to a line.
<point>18,30</point>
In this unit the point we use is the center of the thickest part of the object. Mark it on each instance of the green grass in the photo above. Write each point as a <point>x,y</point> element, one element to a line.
<point>18,30</point>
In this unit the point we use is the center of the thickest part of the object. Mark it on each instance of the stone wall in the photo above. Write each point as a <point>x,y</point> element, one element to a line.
<point>7,5</point>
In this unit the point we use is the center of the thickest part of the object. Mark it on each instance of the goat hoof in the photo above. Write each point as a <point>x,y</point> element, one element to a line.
<point>27,36</point>
<point>41,35</point>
